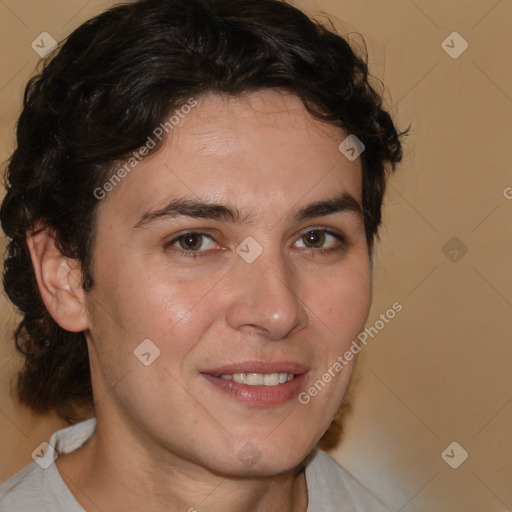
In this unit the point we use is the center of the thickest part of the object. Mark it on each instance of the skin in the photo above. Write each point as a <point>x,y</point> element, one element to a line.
<point>167,439</point>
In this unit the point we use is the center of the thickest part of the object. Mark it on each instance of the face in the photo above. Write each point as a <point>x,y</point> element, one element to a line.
<point>238,249</point>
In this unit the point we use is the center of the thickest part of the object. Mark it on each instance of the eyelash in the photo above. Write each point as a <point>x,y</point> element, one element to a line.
<point>190,254</point>
<point>342,242</point>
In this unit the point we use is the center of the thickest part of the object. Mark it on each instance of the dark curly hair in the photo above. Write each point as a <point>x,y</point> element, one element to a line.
<point>116,78</point>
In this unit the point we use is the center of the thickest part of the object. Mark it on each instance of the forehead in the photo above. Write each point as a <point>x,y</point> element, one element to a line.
<point>261,150</point>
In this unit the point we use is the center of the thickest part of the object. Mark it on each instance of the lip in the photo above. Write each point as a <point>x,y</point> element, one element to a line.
<point>259,396</point>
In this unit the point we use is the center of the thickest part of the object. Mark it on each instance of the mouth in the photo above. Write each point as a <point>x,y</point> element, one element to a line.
<point>258,379</point>
<point>259,384</point>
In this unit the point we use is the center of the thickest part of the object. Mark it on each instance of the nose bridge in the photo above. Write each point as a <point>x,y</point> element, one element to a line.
<point>268,295</point>
<point>273,275</point>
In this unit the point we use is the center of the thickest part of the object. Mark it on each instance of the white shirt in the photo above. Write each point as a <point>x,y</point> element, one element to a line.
<point>330,487</point>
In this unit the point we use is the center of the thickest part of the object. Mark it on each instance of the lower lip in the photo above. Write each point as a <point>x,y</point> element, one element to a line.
<point>259,396</point>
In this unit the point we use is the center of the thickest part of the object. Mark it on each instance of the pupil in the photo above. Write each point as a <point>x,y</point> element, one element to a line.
<point>191,242</point>
<point>315,238</point>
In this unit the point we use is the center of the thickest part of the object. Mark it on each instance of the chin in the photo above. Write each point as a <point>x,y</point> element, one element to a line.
<point>263,459</point>
<point>255,458</point>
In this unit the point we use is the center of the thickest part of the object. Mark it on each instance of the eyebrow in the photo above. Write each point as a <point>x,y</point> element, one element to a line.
<point>195,208</point>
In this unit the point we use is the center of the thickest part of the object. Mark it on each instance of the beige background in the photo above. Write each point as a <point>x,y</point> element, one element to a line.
<point>440,371</point>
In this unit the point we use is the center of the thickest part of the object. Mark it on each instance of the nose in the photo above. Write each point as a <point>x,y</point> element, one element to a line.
<point>266,300</point>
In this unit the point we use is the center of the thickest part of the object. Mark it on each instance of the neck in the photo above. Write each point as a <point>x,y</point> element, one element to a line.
<point>114,472</point>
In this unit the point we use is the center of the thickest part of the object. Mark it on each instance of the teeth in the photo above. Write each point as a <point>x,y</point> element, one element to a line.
<point>271,379</point>
<point>255,379</point>
<point>259,379</point>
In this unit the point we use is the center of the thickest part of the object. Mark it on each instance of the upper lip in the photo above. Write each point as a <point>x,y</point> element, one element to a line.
<point>258,367</point>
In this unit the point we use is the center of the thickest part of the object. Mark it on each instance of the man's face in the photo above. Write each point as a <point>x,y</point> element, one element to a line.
<point>173,264</point>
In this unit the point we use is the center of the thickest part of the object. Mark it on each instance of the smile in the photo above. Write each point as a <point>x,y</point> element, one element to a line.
<point>258,379</point>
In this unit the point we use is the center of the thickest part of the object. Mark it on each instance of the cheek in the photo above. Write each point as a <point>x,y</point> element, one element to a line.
<point>140,303</point>
<point>343,300</point>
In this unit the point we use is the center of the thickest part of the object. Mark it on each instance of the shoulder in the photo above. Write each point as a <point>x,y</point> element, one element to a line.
<point>332,488</point>
<point>23,491</point>
<point>39,486</point>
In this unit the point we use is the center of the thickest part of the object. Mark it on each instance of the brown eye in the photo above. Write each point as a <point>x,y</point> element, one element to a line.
<point>321,240</point>
<point>314,239</point>
<point>191,241</point>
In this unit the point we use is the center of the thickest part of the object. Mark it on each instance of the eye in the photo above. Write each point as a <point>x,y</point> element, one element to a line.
<point>193,242</point>
<point>320,239</point>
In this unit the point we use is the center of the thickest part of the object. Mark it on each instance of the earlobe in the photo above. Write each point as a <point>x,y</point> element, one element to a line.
<point>59,280</point>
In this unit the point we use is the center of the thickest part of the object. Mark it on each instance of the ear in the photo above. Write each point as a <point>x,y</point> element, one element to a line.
<point>59,280</point>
